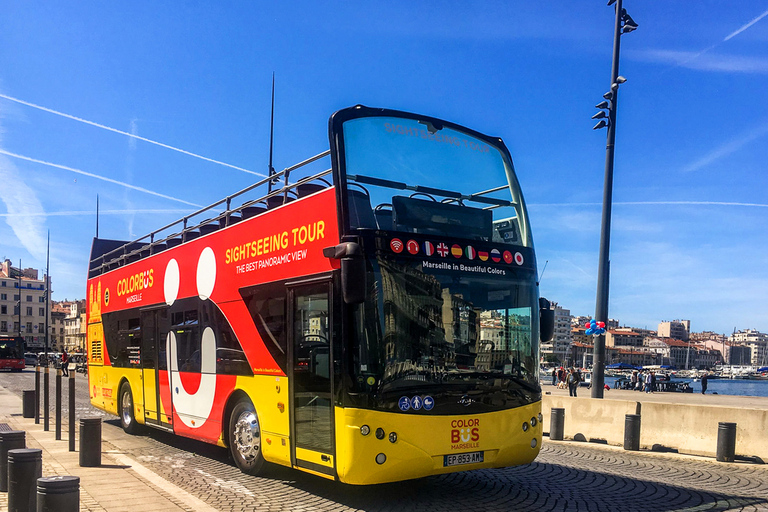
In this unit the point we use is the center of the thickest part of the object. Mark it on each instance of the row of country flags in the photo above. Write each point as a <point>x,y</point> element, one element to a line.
<point>455,250</point>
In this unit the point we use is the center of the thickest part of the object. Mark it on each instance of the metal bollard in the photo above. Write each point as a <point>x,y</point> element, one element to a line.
<point>557,424</point>
<point>28,409</point>
<point>25,466</point>
<point>58,405</point>
<point>726,442</point>
<point>90,442</point>
<point>9,440</point>
<point>58,494</point>
<point>72,411</point>
<point>37,394</point>
<point>632,432</point>
<point>46,404</point>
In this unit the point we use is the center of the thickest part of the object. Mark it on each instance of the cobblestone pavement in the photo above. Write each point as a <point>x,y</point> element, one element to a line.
<point>566,476</point>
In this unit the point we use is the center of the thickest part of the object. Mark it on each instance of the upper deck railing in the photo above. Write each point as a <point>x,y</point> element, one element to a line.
<point>184,230</point>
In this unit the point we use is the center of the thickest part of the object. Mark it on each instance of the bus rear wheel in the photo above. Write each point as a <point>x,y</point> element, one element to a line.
<point>127,418</point>
<point>245,438</point>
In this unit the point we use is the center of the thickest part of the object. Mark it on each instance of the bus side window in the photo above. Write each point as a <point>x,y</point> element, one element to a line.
<point>185,326</point>
<point>267,307</point>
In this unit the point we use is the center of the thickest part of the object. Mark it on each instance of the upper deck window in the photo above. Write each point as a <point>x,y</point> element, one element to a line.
<point>419,176</point>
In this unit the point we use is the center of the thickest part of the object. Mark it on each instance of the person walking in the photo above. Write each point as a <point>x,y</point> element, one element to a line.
<point>64,363</point>
<point>554,376</point>
<point>704,383</point>
<point>648,382</point>
<point>573,381</point>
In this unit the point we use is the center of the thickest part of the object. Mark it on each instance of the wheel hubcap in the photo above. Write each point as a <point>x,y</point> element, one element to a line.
<point>247,436</point>
<point>127,408</point>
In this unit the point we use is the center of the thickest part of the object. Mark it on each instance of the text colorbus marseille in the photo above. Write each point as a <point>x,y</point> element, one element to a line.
<point>374,321</point>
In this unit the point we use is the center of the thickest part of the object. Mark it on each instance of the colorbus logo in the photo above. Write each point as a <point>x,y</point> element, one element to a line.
<point>135,283</point>
<point>465,434</point>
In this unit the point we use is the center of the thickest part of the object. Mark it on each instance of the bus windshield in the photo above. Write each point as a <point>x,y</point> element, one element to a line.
<point>451,316</point>
<point>423,177</point>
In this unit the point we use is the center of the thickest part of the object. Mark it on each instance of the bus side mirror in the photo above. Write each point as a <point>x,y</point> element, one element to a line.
<point>546,321</point>
<point>352,270</point>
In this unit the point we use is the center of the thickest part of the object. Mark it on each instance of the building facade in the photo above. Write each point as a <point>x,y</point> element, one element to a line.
<point>22,304</point>
<point>678,329</point>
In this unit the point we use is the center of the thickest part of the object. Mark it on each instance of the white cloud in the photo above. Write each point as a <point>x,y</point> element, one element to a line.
<point>25,212</point>
<point>728,148</point>
<point>705,61</point>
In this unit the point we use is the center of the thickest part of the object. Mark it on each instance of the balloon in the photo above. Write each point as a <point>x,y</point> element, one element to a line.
<point>589,332</point>
<point>586,325</point>
<point>601,325</point>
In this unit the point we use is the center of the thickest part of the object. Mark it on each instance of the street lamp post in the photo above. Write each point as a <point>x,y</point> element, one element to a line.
<point>623,24</point>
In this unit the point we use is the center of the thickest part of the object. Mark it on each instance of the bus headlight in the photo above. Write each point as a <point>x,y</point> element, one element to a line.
<point>381,458</point>
<point>393,437</point>
<point>533,443</point>
<point>379,433</point>
<point>525,426</point>
<point>365,430</point>
<point>533,422</point>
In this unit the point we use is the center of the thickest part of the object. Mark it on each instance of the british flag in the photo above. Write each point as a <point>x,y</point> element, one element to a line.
<point>442,249</point>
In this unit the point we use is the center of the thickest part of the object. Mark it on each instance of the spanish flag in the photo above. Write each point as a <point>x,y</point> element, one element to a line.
<point>456,251</point>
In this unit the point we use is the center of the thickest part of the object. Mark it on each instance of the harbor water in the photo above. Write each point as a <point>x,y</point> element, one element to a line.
<point>740,387</point>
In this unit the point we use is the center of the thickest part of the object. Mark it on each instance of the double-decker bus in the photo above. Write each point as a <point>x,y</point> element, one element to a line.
<point>12,353</point>
<point>372,321</point>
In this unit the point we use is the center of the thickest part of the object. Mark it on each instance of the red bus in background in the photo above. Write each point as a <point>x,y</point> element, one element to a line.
<point>12,353</point>
<point>369,320</point>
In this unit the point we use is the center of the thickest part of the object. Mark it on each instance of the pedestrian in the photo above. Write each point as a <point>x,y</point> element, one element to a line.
<point>704,383</point>
<point>64,363</point>
<point>554,376</point>
<point>633,380</point>
<point>573,381</point>
<point>648,382</point>
<point>640,380</point>
<point>653,381</point>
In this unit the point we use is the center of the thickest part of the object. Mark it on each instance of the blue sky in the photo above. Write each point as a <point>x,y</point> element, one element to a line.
<point>690,215</point>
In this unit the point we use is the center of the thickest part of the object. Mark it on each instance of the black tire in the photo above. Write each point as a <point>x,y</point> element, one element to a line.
<point>244,438</point>
<point>126,410</point>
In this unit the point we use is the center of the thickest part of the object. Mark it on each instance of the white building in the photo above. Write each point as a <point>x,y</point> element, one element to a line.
<point>678,329</point>
<point>757,343</point>
<point>22,304</point>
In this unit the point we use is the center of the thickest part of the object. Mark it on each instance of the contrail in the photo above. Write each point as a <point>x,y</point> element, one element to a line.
<point>657,203</point>
<point>727,38</point>
<point>745,27</point>
<point>133,136</point>
<point>91,175</point>
<point>76,213</point>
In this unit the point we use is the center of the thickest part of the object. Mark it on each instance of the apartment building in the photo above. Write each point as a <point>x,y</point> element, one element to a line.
<point>22,304</point>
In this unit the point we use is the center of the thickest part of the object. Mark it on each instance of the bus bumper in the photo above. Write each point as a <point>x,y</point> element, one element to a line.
<point>405,446</point>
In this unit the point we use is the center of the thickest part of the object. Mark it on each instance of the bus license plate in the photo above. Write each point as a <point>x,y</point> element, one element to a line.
<point>462,458</point>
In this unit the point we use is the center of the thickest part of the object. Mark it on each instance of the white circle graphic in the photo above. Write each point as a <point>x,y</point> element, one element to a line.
<point>206,273</point>
<point>171,282</point>
<point>519,258</point>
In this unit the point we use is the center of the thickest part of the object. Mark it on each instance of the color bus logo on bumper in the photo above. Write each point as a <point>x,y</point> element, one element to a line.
<point>465,434</point>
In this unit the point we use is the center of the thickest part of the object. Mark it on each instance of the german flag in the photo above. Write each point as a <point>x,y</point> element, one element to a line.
<point>483,255</point>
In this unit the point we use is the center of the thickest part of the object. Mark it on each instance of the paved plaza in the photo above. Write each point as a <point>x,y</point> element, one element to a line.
<point>158,471</point>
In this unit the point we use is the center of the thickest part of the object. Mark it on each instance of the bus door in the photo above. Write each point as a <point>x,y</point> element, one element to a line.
<point>311,394</point>
<point>154,325</point>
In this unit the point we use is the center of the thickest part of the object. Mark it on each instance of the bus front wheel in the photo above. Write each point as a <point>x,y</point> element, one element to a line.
<point>127,418</point>
<point>245,438</point>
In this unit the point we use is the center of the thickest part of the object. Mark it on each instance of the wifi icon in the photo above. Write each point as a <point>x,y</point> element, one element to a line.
<point>396,245</point>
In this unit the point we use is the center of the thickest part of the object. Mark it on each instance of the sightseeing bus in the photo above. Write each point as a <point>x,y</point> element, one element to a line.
<point>368,315</point>
<point>12,353</point>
